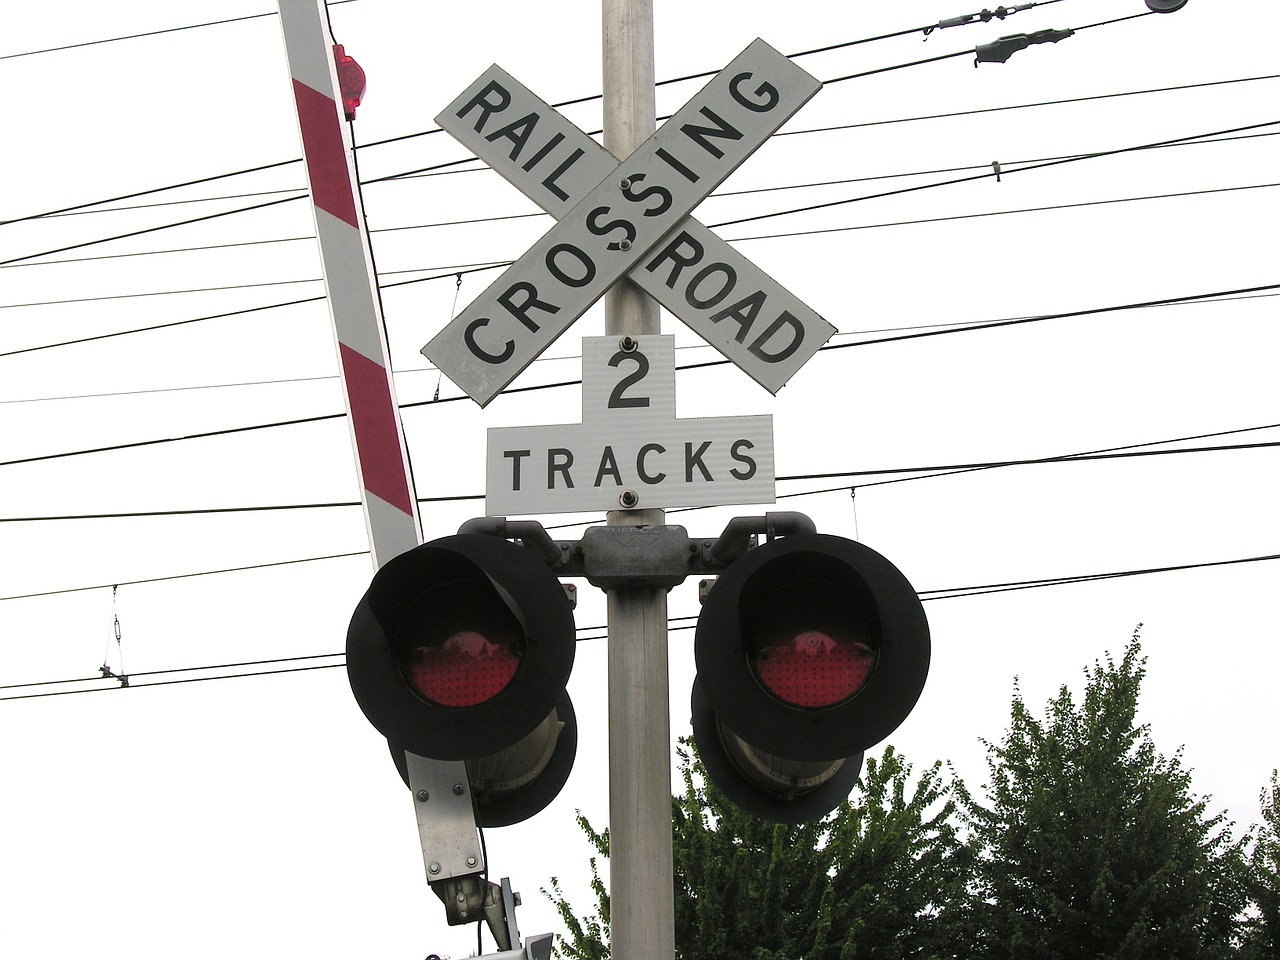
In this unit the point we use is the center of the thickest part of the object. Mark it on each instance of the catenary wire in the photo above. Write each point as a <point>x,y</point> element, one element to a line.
<point>81,209</point>
<point>156,33</point>
<point>926,596</point>
<point>815,231</point>
<point>811,207</point>
<point>451,271</point>
<point>963,53</point>
<point>508,217</point>
<point>1119,453</point>
<point>374,143</point>
<point>767,236</point>
<point>985,325</point>
<point>405,371</point>
<point>1040,165</point>
<point>519,216</point>
<point>187,576</point>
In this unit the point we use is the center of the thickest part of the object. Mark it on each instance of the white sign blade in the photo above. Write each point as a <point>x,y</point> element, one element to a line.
<point>571,468</point>
<point>619,221</point>
<point>534,147</point>
<point>630,450</point>
<point>753,320</point>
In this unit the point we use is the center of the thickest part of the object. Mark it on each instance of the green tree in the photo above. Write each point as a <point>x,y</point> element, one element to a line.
<point>1262,935</point>
<point>881,877</point>
<point>1091,843</point>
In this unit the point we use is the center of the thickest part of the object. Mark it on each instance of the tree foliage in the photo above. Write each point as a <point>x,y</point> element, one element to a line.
<point>1262,934</point>
<point>880,877</point>
<point>1087,843</point>
<point>1091,843</point>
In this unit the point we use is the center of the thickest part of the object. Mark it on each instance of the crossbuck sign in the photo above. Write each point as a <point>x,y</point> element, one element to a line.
<point>629,219</point>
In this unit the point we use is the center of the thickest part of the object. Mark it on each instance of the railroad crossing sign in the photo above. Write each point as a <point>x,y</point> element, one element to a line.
<point>630,451</point>
<point>629,218</point>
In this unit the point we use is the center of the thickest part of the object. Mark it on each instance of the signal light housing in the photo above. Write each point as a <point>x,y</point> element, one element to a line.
<point>516,783</point>
<point>460,650</point>
<point>810,649</point>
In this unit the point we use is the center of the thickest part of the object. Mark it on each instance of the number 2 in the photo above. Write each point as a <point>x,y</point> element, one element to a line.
<point>617,398</point>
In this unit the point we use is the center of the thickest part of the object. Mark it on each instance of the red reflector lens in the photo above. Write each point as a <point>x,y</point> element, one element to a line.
<point>351,81</point>
<point>464,671</point>
<point>814,669</point>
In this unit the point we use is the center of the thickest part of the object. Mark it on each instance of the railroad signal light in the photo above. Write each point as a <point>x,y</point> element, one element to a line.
<point>810,649</point>
<point>460,650</point>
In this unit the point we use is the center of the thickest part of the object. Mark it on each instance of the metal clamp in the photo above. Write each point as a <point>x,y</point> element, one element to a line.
<point>1004,48</point>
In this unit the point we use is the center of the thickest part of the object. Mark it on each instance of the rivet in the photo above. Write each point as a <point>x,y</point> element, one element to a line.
<point>423,796</point>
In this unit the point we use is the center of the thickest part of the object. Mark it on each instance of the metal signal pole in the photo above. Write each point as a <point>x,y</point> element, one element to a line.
<point>641,908</point>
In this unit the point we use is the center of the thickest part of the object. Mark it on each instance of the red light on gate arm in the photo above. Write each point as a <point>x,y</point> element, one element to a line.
<point>350,81</point>
<point>811,668</point>
<point>466,670</point>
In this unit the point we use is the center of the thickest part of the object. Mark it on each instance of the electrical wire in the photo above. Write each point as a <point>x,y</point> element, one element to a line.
<point>1023,106</point>
<point>520,216</point>
<point>567,103</point>
<point>984,325</point>
<point>454,271</point>
<point>766,236</point>
<point>808,208</point>
<point>159,326</point>
<point>815,231</point>
<point>1057,459</point>
<point>81,209</point>
<point>145,230</point>
<point>926,596</point>
<point>1114,453</point>
<point>186,576</point>
<point>406,371</point>
<point>156,33</point>
<point>1040,165</point>
<point>137,36</point>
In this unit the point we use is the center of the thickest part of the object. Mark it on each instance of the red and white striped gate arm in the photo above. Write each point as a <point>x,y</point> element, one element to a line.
<point>387,492</point>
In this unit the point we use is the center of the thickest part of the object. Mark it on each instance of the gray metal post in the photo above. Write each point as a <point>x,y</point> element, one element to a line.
<point>641,908</point>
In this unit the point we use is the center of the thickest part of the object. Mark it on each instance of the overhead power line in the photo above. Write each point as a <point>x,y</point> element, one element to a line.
<point>984,325</point>
<point>815,231</point>
<point>84,208</point>
<point>138,36</point>
<point>808,208</point>
<point>406,371</point>
<point>155,229</point>
<point>674,624</point>
<point>926,30</point>
<point>927,470</point>
<point>185,576</point>
<point>521,216</point>
<point>446,271</point>
<point>157,33</point>
<point>1039,165</point>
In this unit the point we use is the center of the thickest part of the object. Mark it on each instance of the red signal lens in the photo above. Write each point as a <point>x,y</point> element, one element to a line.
<point>811,668</point>
<point>465,670</point>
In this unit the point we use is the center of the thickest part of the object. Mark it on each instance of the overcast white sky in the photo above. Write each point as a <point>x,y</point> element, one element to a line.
<point>261,815</point>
